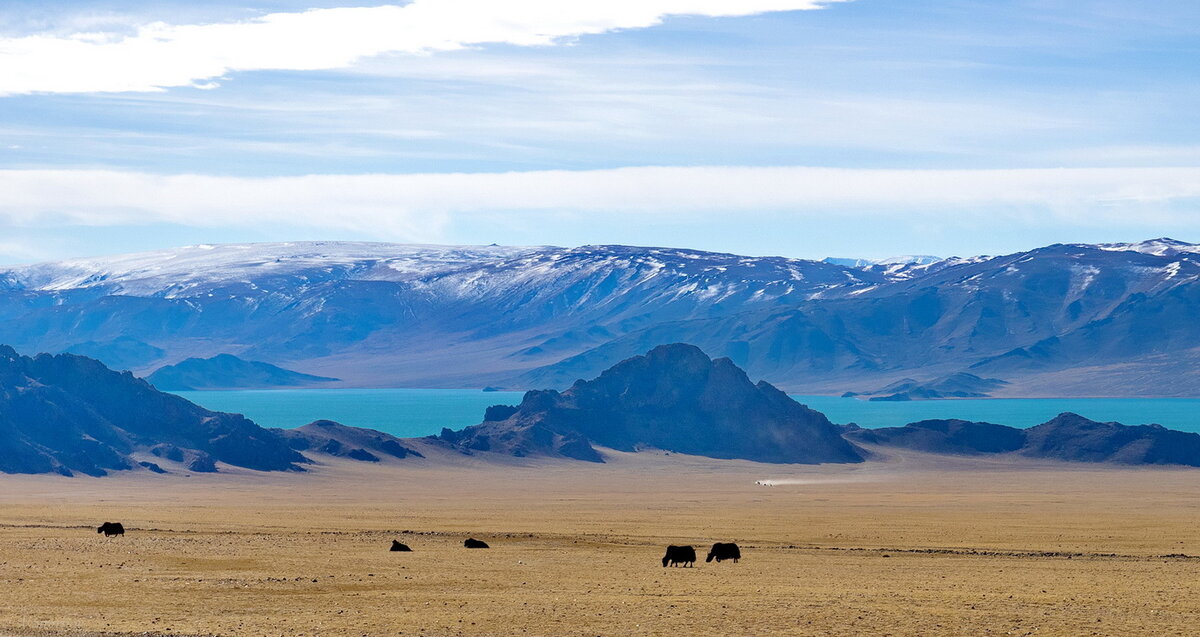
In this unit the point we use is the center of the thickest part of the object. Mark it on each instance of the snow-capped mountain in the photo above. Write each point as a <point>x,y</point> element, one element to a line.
<point>199,269</point>
<point>1161,247</point>
<point>1111,319</point>
<point>1061,320</point>
<point>911,259</point>
<point>331,304</point>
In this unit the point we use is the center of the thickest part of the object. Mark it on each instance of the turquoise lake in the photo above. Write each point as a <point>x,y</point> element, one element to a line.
<point>421,412</point>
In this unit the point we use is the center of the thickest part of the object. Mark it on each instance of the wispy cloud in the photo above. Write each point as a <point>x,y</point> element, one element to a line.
<point>19,252</point>
<point>418,207</point>
<point>160,55</point>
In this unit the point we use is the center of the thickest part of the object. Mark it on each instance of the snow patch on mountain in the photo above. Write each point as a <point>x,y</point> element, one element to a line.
<point>1161,247</point>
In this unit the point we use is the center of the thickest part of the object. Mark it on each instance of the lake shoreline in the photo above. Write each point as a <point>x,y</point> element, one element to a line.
<point>414,413</point>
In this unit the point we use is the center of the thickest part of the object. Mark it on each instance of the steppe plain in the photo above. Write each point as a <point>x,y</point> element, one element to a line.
<point>905,544</point>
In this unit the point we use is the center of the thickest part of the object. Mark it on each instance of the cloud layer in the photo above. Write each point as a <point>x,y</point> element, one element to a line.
<point>417,207</point>
<point>159,55</point>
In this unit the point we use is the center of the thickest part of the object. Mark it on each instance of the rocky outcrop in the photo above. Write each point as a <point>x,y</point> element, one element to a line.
<point>674,398</point>
<point>1067,436</point>
<point>336,439</point>
<point>521,438</point>
<point>226,371</point>
<point>69,414</point>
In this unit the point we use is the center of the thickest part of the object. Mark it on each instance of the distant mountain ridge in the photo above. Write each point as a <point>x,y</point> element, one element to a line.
<point>1062,320</point>
<point>958,385</point>
<point>122,352</point>
<point>226,371</point>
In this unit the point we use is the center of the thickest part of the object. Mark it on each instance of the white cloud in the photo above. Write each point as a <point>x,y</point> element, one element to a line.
<point>162,55</point>
<point>419,207</point>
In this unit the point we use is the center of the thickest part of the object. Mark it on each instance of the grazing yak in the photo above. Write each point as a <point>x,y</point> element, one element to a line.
<point>110,529</point>
<point>685,555</point>
<point>472,543</point>
<point>724,551</point>
<point>397,546</point>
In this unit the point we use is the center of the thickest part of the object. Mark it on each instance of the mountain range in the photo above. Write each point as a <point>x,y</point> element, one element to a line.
<point>1062,320</point>
<point>70,414</point>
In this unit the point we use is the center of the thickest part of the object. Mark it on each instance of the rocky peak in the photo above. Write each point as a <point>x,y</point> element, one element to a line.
<point>674,398</point>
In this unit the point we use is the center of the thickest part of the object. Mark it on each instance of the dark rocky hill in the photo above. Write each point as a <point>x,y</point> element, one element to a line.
<point>945,436</point>
<point>674,398</point>
<point>1068,437</point>
<point>1072,437</point>
<point>69,414</point>
<point>226,371</point>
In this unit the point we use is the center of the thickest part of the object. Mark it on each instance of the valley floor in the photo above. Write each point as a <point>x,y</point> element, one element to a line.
<point>890,547</point>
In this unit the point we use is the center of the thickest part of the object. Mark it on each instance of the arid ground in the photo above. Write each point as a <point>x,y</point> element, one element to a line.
<point>904,545</point>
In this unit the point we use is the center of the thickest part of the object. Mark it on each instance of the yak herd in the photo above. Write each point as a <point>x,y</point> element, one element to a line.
<point>676,555</point>
<point>686,555</point>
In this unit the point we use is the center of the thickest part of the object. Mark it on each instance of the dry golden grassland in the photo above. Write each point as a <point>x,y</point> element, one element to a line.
<point>891,547</point>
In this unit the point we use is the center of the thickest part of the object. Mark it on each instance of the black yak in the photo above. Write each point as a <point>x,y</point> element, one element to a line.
<point>685,555</point>
<point>110,529</point>
<point>472,543</point>
<point>397,546</point>
<point>724,551</point>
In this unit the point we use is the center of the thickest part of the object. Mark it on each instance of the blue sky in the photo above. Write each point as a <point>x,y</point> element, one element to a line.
<point>954,127</point>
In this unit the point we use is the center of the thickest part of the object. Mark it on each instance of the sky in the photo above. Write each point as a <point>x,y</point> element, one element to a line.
<point>803,128</point>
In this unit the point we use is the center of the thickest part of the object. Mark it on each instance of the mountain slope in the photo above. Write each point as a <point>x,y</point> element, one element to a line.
<point>674,398</point>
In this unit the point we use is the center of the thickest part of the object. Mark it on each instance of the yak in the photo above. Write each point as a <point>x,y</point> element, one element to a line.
<point>685,555</point>
<point>398,546</point>
<point>724,551</point>
<point>472,543</point>
<point>110,529</point>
